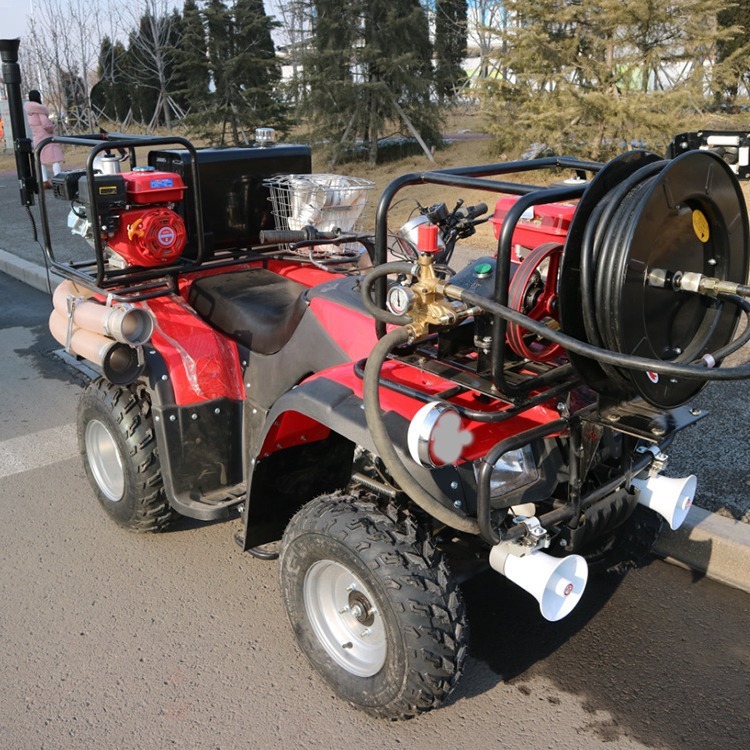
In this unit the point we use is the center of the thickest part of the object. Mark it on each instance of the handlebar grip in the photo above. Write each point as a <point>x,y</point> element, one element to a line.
<point>282,236</point>
<point>290,236</point>
<point>474,211</point>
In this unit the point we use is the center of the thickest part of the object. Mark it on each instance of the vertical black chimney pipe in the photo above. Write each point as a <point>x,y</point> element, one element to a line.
<point>21,144</point>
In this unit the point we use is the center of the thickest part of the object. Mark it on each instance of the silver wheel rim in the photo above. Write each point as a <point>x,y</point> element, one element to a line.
<point>104,460</point>
<point>345,618</point>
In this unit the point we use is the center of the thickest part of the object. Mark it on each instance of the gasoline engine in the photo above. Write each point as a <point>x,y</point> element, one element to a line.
<point>133,211</point>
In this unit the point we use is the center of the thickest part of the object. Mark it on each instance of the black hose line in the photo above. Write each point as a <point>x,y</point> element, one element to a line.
<point>629,361</point>
<point>442,511</point>
<point>740,341</point>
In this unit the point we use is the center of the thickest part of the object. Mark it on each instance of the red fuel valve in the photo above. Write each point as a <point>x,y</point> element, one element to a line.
<point>427,238</point>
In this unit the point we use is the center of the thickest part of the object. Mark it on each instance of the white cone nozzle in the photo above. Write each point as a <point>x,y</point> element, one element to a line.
<point>557,583</point>
<point>670,497</point>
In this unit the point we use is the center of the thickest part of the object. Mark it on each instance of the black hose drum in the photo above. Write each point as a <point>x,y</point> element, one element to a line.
<point>644,218</point>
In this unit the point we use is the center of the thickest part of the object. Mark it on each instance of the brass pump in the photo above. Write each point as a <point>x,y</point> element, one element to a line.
<point>425,300</point>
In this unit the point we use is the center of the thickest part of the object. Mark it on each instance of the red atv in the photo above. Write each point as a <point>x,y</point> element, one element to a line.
<point>379,424</point>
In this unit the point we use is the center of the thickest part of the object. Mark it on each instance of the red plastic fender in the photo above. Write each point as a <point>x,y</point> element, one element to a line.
<point>291,425</point>
<point>203,364</point>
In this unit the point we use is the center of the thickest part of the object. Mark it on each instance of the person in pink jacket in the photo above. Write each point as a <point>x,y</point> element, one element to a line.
<point>42,127</point>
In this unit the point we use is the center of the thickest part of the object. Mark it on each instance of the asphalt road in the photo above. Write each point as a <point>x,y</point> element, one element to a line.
<point>117,640</point>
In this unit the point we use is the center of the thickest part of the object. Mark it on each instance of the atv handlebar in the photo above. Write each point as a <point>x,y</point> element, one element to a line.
<point>471,212</point>
<point>289,236</point>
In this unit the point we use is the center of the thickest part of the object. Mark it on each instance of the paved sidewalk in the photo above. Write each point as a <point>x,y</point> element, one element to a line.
<point>710,544</point>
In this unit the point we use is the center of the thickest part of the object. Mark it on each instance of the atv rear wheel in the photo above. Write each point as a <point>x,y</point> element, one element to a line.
<point>116,439</point>
<point>373,606</point>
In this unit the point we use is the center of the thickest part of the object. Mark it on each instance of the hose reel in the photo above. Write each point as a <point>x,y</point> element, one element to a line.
<point>642,220</point>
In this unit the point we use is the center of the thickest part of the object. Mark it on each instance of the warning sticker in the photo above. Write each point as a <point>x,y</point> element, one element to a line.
<point>700,226</point>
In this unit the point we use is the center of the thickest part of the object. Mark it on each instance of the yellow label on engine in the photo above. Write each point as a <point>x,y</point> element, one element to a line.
<point>700,226</point>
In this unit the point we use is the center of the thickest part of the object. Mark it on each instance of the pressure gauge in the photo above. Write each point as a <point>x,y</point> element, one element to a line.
<point>400,299</point>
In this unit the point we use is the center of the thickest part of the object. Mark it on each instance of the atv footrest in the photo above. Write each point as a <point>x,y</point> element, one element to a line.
<point>213,506</point>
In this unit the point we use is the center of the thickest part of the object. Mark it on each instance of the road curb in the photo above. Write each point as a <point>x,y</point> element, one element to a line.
<point>711,544</point>
<point>707,543</point>
<point>30,273</point>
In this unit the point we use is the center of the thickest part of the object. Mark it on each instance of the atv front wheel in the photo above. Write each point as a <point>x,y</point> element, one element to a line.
<point>116,439</point>
<point>373,606</point>
<point>628,546</point>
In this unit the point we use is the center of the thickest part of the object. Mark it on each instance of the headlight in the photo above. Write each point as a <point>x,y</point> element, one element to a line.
<point>512,471</point>
<point>435,436</point>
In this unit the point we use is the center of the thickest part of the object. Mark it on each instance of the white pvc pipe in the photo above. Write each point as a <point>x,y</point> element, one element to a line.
<point>119,362</point>
<point>124,323</point>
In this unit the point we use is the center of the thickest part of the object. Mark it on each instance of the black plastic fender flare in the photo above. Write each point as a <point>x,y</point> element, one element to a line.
<point>337,407</point>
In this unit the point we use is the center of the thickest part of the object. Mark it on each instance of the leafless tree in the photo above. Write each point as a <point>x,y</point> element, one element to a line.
<point>60,54</point>
<point>485,19</point>
<point>157,33</point>
<point>295,19</point>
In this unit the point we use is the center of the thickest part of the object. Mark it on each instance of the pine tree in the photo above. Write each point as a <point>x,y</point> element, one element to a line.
<point>594,78</point>
<point>450,46</point>
<point>369,72</point>
<point>255,72</point>
<point>192,74</point>
<point>140,80</point>
<point>110,97</point>
<point>733,53</point>
<point>244,69</point>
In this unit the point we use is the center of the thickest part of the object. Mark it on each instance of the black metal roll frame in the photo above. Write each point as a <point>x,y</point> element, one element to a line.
<point>585,354</point>
<point>142,282</point>
<point>529,195</point>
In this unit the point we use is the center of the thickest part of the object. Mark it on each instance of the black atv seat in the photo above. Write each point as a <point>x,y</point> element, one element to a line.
<point>257,307</point>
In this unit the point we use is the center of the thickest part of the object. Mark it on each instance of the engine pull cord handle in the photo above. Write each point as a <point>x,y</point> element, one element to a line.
<point>136,229</point>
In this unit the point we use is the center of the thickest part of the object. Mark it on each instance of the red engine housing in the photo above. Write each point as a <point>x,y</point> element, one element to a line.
<point>149,236</point>
<point>547,222</point>
<point>156,235</point>
<point>147,186</point>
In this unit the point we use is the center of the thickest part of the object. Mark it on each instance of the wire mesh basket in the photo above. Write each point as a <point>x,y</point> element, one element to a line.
<point>325,201</point>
